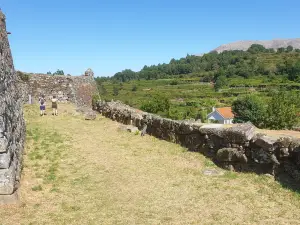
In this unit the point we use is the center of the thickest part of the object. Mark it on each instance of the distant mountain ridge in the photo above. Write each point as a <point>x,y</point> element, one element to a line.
<point>275,44</point>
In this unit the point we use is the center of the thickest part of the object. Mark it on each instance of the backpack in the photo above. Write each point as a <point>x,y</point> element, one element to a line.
<point>42,101</point>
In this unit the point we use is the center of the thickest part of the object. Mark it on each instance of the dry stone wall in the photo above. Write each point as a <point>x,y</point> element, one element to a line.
<point>238,148</point>
<point>75,89</point>
<point>12,126</point>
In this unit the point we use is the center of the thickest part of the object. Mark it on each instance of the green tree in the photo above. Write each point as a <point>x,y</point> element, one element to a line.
<point>174,82</point>
<point>289,48</point>
<point>256,48</point>
<point>282,112</point>
<point>203,115</point>
<point>249,108</point>
<point>280,50</point>
<point>102,89</point>
<point>220,83</point>
<point>115,91</point>
<point>59,72</point>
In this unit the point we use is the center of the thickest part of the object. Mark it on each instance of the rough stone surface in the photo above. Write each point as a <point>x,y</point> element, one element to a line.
<point>237,148</point>
<point>12,125</point>
<point>89,72</point>
<point>231,155</point>
<point>244,45</point>
<point>129,128</point>
<point>267,143</point>
<point>90,115</point>
<point>75,89</point>
<point>7,180</point>
<point>132,129</point>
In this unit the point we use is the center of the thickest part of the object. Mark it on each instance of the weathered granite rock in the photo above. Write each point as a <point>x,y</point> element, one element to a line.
<point>12,125</point>
<point>7,180</point>
<point>266,142</point>
<point>239,134</point>
<point>132,129</point>
<point>5,160</point>
<point>129,128</point>
<point>90,115</point>
<point>231,155</point>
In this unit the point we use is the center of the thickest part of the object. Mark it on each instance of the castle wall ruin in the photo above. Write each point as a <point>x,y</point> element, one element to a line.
<point>75,89</point>
<point>12,125</point>
<point>239,147</point>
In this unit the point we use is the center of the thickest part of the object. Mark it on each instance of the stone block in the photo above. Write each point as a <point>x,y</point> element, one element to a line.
<point>7,180</point>
<point>231,155</point>
<point>266,142</point>
<point>239,134</point>
<point>5,160</point>
<point>3,144</point>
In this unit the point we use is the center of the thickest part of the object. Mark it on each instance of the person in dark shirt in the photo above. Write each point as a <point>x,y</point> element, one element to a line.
<point>42,105</point>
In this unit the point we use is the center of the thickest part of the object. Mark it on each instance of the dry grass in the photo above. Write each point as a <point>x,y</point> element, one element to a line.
<point>89,172</point>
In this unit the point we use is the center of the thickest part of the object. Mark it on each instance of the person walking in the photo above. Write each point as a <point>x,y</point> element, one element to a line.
<point>54,106</point>
<point>42,105</point>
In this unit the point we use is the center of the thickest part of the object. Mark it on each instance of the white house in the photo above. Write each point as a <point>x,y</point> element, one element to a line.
<point>222,115</point>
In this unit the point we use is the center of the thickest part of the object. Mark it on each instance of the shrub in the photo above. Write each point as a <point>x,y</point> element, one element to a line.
<point>220,83</point>
<point>157,104</point>
<point>192,103</point>
<point>134,88</point>
<point>249,108</point>
<point>24,77</point>
<point>174,82</point>
<point>59,72</point>
<point>116,91</point>
<point>203,115</point>
<point>95,99</point>
<point>282,111</point>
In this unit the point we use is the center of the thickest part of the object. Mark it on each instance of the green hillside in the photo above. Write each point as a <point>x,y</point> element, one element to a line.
<point>257,61</point>
<point>191,86</point>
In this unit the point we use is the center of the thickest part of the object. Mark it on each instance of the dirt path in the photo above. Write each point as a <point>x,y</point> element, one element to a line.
<point>89,172</point>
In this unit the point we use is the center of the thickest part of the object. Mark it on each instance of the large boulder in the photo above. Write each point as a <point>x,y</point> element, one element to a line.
<point>239,134</point>
<point>231,155</point>
<point>266,142</point>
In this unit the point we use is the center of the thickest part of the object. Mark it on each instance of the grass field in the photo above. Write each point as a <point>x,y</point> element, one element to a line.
<point>90,172</point>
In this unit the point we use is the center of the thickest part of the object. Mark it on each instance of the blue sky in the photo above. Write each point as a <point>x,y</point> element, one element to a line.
<point>109,36</point>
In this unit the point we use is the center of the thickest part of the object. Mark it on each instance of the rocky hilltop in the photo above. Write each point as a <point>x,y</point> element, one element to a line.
<point>275,44</point>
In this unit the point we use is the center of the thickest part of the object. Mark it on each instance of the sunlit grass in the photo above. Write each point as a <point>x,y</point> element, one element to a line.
<point>90,172</point>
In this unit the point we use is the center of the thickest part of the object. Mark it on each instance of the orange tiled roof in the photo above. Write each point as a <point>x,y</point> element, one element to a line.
<point>226,112</point>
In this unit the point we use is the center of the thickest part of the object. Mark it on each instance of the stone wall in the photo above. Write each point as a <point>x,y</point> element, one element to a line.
<point>239,147</point>
<point>12,126</point>
<point>75,89</point>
